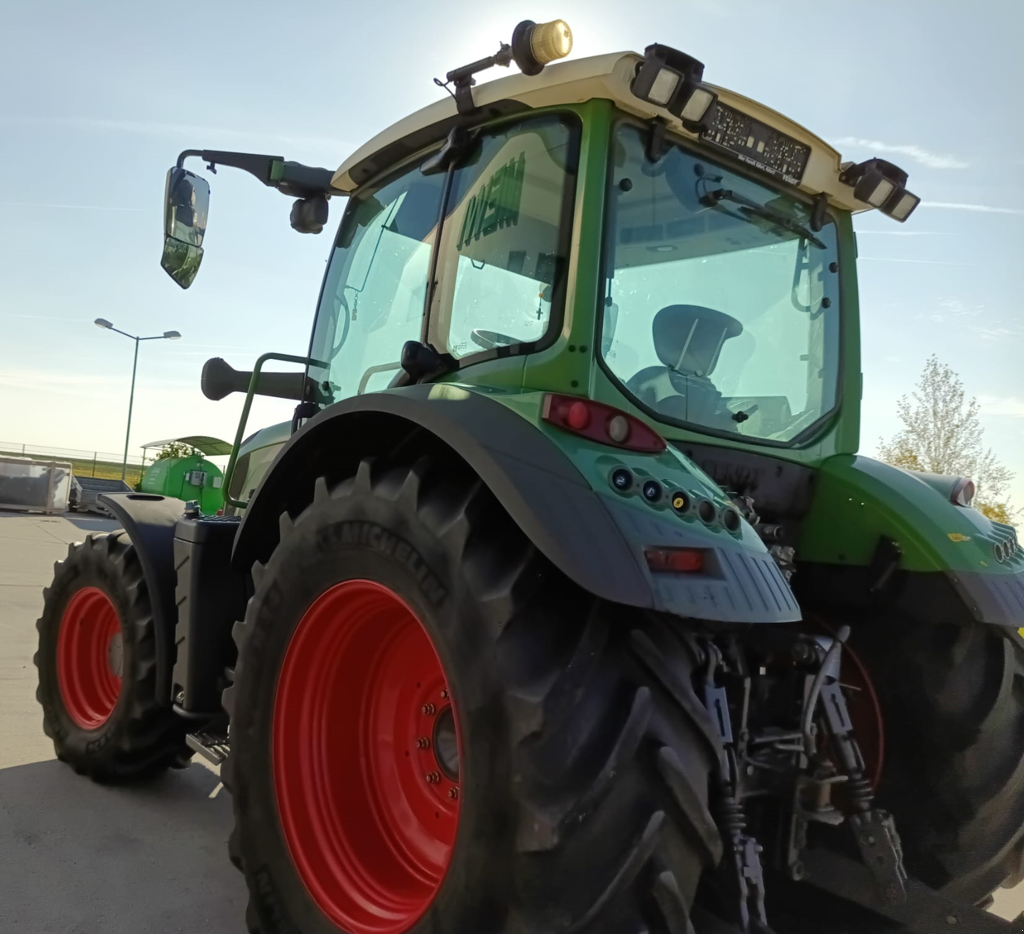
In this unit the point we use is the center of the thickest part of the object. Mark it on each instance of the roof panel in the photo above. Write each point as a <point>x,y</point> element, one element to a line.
<point>211,447</point>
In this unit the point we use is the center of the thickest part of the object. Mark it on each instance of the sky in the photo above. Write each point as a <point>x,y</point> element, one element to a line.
<point>97,100</point>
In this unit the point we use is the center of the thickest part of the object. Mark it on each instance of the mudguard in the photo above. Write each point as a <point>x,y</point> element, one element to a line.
<point>149,521</point>
<point>948,563</point>
<point>595,539</point>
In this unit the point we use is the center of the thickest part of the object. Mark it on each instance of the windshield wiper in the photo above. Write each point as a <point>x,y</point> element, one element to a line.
<point>712,199</point>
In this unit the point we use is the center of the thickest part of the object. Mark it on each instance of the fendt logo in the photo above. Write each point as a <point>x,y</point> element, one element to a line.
<point>496,204</point>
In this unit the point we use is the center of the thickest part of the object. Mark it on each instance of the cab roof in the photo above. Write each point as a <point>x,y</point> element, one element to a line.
<point>605,77</point>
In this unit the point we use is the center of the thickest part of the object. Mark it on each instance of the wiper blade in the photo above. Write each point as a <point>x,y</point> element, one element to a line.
<point>712,199</point>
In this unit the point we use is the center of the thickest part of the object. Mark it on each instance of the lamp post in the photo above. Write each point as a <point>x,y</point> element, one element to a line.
<point>167,335</point>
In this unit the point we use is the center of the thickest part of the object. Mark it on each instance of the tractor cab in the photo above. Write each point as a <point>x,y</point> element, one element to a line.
<point>612,227</point>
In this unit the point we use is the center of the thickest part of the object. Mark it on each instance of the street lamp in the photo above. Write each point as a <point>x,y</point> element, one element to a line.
<point>168,336</point>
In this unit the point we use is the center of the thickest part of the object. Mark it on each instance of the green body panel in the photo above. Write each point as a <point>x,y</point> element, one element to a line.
<point>265,437</point>
<point>255,457</point>
<point>170,477</point>
<point>567,365</point>
<point>858,500</point>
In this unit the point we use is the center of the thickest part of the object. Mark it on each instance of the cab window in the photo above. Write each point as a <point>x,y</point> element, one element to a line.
<point>501,271</point>
<point>504,249</point>
<point>375,289</point>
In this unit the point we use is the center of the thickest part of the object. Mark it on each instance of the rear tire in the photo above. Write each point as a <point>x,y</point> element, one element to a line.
<point>97,666</point>
<point>953,703</point>
<point>584,754</point>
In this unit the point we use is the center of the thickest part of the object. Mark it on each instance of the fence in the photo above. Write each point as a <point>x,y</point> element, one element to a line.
<point>83,463</point>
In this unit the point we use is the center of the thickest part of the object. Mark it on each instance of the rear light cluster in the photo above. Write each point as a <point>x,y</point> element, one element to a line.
<point>606,424</point>
<point>601,423</point>
<point>675,560</point>
<point>623,480</point>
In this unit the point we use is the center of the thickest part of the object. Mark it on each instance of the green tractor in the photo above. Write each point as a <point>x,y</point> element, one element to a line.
<point>565,603</point>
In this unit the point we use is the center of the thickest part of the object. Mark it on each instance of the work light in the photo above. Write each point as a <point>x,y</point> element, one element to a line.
<point>901,205</point>
<point>882,185</point>
<point>671,79</point>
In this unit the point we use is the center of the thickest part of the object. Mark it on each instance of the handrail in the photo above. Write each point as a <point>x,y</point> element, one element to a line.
<point>253,383</point>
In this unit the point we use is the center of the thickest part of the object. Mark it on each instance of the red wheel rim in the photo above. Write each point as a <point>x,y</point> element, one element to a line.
<point>363,742</point>
<point>89,647</point>
<point>864,708</point>
<point>865,714</point>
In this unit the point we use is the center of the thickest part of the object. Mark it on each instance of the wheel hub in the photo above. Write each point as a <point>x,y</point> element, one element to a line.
<point>435,746</point>
<point>445,745</point>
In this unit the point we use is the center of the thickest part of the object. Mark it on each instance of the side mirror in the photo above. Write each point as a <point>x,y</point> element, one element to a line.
<point>186,206</point>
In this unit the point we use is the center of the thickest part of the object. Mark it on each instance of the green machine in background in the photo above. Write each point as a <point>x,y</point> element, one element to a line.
<point>192,477</point>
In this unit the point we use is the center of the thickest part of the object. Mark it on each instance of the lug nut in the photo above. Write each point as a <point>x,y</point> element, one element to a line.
<point>453,793</point>
<point>428,710</point>
<point>422,743</point>
<point>433,778</point>
<point>444,695</point>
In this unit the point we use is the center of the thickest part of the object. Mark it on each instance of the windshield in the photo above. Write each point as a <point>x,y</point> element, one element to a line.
<point>722,305</point>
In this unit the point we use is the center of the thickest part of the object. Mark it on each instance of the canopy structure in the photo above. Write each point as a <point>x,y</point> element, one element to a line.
<point>211,447</point>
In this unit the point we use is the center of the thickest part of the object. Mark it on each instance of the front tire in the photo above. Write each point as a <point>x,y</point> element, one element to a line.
<point>97,666</point>
<point>577,800</point>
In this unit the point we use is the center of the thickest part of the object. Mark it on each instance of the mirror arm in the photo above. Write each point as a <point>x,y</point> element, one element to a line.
<point>290,178</point>
<point>254,164</point>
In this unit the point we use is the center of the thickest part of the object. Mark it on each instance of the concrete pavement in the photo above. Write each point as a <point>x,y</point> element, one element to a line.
<point>79,858</point>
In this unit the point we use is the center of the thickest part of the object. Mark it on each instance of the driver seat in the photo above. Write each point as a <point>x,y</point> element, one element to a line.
<point>688,340</point>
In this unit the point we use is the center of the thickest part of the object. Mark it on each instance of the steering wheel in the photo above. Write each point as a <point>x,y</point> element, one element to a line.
<point>491,339</point>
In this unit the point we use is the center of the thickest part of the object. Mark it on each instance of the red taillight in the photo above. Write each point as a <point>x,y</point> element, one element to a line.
<point>577,416</point>
<point>602,423</point>
<point>675,560</point>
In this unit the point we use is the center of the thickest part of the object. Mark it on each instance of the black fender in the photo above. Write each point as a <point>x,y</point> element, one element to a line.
<point>596,544</point>
<point>534,481</point>
<point>149,521</point>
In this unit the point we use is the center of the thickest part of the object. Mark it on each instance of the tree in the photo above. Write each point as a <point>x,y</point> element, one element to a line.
<point>942,434</point>
<point>176,449</point>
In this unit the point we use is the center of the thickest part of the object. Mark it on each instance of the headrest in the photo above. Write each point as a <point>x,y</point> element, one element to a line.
<point>689,338</point>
